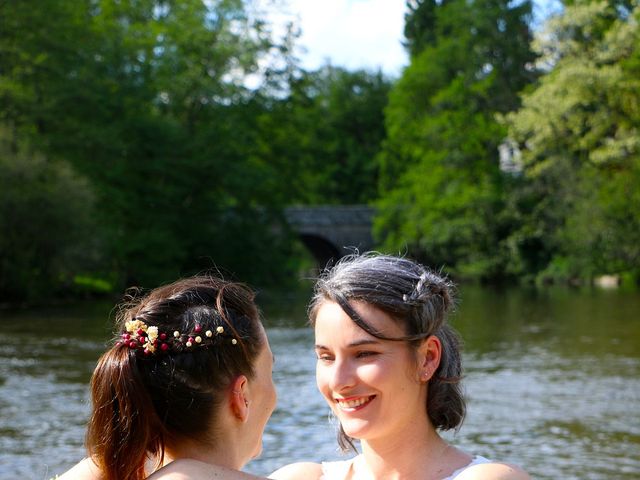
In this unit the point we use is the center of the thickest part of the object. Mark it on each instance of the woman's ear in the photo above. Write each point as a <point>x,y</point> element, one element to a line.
<point>238,398</point>
<point>429,355</point>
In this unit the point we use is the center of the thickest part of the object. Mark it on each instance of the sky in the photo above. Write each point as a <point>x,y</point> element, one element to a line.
<point>328,33</point>
<point>356,33</point>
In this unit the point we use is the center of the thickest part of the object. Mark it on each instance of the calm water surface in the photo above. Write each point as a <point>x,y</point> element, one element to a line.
<point>552,380</point>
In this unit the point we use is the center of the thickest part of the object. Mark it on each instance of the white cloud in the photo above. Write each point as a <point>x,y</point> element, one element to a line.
<point>357,33</point>
<point>350,33</point>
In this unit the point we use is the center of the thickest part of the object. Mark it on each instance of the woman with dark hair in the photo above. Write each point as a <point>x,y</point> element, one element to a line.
<point>389,367</point>
<point>188,376</point>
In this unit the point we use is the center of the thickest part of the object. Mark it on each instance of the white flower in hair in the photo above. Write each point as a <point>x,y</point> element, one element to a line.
<point>152,333</point>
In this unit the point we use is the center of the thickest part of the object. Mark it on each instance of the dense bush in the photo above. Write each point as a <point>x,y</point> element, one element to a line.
<point>46,225</point>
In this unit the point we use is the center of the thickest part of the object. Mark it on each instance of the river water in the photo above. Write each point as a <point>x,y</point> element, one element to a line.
<point>552,381</point>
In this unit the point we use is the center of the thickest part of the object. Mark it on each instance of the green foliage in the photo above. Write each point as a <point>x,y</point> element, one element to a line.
<point>156,160</point>
<point>579,132</point>
<point>45,223</point>
<point>189,168</point>
<point>443,194</point>
<point>421,22</point>
<point>325,135</point>
<point>147,100</point>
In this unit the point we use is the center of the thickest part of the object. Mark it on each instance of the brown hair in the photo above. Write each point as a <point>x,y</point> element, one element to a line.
<point>419,300</point>
<point>140,400</point>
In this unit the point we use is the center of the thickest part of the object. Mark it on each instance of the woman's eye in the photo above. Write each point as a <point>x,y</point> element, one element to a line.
<point>365,354</point>
<point>325,358</point>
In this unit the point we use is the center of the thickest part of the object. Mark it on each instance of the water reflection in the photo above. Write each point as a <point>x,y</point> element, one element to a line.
<point>553,382</point>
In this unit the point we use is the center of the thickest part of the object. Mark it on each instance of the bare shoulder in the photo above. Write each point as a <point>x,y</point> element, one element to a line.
<point>83,470</point>
<point>187,469</point>
<point>493,471</point>
<point>298,471</point>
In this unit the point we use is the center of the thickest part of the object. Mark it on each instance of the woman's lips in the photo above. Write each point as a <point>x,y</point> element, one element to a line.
<point>352,404</point>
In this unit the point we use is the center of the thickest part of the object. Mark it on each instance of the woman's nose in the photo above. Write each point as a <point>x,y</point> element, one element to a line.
<point>343,376</point>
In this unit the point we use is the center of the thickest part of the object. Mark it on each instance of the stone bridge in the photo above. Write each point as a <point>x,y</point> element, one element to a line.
<point>332,231</point>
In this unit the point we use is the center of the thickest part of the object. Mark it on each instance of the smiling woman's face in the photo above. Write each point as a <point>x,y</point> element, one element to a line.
<point>373,386</point>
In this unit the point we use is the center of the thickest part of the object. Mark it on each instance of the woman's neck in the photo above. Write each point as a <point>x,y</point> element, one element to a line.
<point>418,453</point>
<point>226,457</point>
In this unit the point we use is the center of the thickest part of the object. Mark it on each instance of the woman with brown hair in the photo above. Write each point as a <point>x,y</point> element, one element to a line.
<point>188,376</point>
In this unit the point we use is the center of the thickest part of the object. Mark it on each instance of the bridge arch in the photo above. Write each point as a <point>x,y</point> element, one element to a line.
<point>328,231</point>
<point>322,249</point>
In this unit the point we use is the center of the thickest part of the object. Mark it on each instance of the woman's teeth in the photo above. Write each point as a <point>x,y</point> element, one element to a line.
<point>348,404</point>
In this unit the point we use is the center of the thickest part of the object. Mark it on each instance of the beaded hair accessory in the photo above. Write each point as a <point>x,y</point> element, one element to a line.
<point>149,339</point>
<point>417,291</point>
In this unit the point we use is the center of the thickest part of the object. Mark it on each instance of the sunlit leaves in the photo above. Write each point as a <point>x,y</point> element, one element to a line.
<point>442,188</point>
<point>579,131</point>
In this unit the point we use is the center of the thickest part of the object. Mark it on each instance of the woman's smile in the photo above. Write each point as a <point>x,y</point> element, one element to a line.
<point>353,404</point>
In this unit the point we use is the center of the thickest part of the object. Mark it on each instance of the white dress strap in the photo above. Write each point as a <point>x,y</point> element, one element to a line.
<point>340,470</point>
<point>477,460</point>
<point>336,470</point>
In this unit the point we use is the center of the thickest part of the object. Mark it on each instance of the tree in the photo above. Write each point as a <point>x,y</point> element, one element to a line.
<point>325,135</point>
<point>579,135</point>
<point>146,100</point>
<point>421,24</point>
<point>442,190</point>
<point>45,224</point>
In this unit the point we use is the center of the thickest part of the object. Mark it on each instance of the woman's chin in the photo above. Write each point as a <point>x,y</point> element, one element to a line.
<point>357,431</point>
<point>257,452</point>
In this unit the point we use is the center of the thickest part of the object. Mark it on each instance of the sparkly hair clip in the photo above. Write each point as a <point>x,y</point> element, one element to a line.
<point>149,339</point>
<point>418,290</point>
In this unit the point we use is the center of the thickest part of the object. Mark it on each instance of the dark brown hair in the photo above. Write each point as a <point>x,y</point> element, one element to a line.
<point>415,297</point>
<point>141,400</point>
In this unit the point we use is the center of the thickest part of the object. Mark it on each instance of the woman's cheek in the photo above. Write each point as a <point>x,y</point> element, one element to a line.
<point>321,378</point>
<point>369,373</point>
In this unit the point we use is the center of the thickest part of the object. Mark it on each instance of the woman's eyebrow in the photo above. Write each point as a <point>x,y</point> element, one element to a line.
<point>364,341</point>
<point>356,343</point>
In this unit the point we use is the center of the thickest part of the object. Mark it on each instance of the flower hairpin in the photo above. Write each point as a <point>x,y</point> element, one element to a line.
<point>139,335</point>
